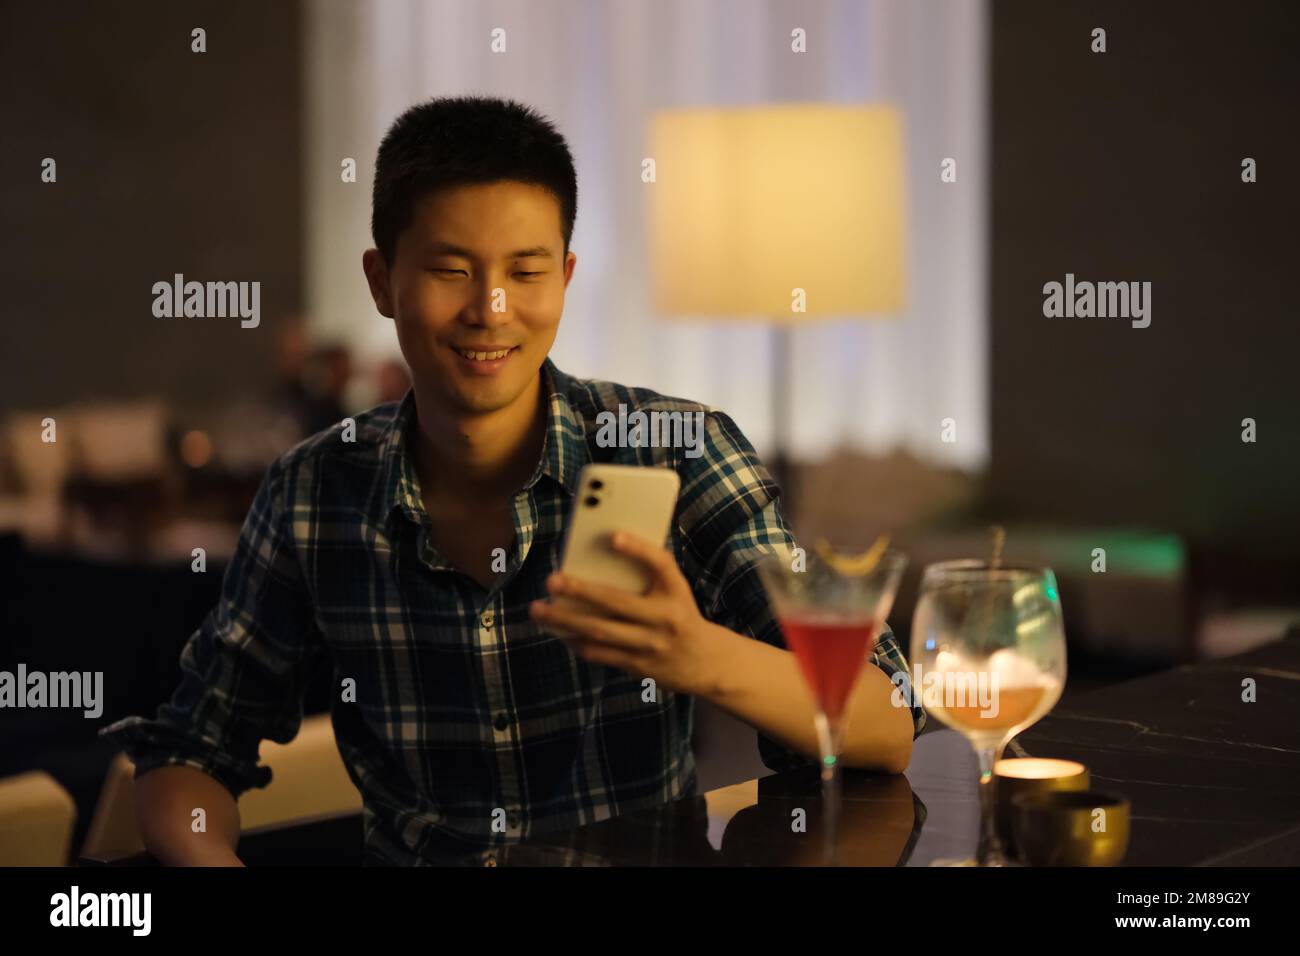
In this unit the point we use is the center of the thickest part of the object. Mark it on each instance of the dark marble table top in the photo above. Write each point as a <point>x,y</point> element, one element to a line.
<point>1211,779</point>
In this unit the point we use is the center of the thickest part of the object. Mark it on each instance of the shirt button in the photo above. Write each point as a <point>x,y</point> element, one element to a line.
<point>490,860</point>
<point>488,618</point>
<point>501,721</point>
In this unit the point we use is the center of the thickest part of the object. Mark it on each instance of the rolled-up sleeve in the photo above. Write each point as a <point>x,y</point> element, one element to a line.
<point>244,670</point>
<point>732,509</point>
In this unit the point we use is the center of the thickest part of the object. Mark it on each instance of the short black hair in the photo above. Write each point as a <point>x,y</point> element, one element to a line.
<point>466,140</point>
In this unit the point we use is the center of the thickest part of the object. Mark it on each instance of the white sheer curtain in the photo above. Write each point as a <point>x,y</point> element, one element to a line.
<point>599,69</point>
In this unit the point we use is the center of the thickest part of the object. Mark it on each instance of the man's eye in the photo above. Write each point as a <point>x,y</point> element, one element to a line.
<point>453,271</point>
<point>528,273</point>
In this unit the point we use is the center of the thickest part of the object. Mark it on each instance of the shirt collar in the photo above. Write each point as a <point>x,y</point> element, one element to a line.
<point>564,449</point>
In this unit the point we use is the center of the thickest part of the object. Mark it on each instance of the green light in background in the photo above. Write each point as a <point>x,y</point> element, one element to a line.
<point>1157,555</point>
<point>1128,550</point>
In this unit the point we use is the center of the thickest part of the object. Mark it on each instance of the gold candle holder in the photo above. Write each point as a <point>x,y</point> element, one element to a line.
<point>1016,776</point>
<point>1071,828</point>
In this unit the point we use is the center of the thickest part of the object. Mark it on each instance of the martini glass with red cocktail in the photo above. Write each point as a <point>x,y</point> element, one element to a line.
<point>832,608</point>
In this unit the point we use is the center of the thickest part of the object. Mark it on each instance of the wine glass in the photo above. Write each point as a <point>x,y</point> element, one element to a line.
<point>988,660</point>
<point>831,609</point>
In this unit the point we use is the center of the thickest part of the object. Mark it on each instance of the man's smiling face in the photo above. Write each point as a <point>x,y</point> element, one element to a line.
<point>467,249</point>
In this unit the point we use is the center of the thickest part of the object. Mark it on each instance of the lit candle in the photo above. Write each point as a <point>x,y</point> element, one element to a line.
<point>1037,768</point>
<point>1017,775</point>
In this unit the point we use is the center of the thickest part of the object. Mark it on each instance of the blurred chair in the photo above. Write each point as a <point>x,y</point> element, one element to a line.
<point>309,780</point>
<point>34,474</point>
<point>36,820</point>
<point>117,493</point>
<point>40,467</point>
<point>113,832</point>
<point>121,441</point>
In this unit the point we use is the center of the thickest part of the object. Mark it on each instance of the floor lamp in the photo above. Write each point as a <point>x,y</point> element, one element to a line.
<point>786,214</point>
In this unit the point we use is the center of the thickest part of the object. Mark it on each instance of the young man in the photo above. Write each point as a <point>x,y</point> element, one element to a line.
<point>417,558</point>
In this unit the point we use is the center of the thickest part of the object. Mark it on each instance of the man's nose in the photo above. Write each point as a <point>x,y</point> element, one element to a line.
<point>491,303</point>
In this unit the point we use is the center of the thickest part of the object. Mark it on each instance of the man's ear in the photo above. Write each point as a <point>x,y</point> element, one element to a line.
<point>570,261</point>
<point>376,270</point>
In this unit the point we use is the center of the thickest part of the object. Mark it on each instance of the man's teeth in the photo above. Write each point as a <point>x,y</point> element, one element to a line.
<point>484,356</point>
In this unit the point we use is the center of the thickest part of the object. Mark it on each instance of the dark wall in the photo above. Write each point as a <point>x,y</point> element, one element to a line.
<point>168,161</point>
<point>1127,166</point>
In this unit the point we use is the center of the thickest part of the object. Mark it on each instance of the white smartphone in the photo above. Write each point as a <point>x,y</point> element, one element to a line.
<point>612,498</point>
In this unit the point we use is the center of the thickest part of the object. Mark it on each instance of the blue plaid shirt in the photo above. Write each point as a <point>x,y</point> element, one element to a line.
<point>466,714</point>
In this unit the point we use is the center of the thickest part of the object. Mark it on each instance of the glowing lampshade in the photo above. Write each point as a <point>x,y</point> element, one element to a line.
<point>749,204</point>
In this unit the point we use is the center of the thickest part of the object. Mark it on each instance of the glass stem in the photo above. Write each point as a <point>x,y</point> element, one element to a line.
<point>829,737</point>
<point>989,852</point>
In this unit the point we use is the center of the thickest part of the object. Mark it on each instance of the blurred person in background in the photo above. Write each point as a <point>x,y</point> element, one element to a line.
<point>392,380</point>
<point>312,379</point>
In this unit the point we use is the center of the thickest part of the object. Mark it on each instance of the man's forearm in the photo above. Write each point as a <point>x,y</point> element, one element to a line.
<point>763,686</point>
<point>165,801</point>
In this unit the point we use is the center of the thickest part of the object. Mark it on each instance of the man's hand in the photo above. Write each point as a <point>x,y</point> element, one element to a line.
<point>663,635</point>
<point>660,635</point>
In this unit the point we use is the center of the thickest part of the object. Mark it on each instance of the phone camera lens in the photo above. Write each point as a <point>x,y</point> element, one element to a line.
<point>596,484</point>
<point>591,501</point>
